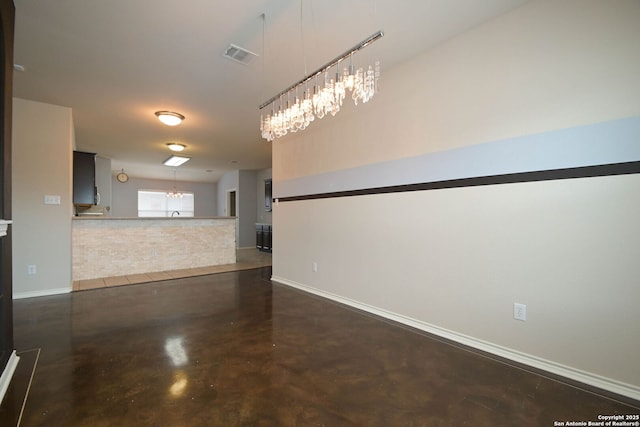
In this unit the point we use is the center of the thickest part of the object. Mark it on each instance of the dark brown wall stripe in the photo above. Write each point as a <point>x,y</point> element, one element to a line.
<point>546,175</point>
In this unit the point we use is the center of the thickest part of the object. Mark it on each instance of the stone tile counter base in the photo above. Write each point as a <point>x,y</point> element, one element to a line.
<point>109,247</point>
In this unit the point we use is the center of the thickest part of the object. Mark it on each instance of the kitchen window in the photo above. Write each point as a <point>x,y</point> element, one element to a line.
<point>157,204</point>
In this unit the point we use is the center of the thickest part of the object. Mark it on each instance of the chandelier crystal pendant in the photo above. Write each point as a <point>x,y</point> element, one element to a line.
<point>288,113</point>
<point>175,194</point>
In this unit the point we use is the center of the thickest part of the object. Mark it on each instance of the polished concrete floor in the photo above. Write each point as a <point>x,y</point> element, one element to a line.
<point>235,349</point>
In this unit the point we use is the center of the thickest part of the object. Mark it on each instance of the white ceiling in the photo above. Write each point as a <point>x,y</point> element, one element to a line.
<point>116,62</point>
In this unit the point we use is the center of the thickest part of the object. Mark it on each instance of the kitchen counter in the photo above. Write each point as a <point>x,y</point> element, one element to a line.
<point>103,217</point>
<point>112,246</point>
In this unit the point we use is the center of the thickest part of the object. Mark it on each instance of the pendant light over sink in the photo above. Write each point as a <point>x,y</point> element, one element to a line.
<point>175,194</point>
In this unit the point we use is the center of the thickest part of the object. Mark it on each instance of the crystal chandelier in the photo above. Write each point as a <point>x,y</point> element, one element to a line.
<point>174,194</point>
<point>322,94</point>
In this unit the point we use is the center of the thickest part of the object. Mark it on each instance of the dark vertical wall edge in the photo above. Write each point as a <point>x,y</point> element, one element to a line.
<point>7,16</point>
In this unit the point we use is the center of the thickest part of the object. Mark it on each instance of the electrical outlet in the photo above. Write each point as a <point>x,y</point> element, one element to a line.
<point>31,269</point>
<point>51,200</point>
<point>314,267</point>
<point>519,311</point>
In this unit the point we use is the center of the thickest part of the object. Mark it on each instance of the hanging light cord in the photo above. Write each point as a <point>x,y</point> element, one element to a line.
<point>304,52</point>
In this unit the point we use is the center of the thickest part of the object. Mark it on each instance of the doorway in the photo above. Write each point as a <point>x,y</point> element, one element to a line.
<point>231,203</point>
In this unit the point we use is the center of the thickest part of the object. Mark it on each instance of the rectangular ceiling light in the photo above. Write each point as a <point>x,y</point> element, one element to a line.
<point>239,54</point>
<point>176,160</point>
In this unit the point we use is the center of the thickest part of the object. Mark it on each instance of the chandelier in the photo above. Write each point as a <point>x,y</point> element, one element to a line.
<point>322,94</point>
<point>174,194</point>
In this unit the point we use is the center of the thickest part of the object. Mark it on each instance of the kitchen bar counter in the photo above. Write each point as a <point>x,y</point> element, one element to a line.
<point>112,246</point>
<point>104,217</point>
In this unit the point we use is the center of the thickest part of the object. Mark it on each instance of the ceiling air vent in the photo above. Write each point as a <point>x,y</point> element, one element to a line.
<point>238,54</point>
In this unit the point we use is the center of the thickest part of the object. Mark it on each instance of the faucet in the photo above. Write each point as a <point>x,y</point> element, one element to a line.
<point>175,212</point>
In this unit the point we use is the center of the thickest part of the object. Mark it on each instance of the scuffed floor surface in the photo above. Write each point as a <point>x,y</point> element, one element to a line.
<point>234,349</point>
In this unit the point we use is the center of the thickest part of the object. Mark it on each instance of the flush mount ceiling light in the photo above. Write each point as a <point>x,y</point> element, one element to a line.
<point>175,161</point>
<point>169,118</point>
<point>174,146</point>
<point>239,54</point>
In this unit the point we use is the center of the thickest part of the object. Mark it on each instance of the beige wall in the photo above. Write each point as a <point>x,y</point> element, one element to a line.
<point>454,261</point>
<point>546,66</point>
<point>43,143</point>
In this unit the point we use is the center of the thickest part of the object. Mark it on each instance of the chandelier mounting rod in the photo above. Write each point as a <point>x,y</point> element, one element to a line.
<point>325,67</point>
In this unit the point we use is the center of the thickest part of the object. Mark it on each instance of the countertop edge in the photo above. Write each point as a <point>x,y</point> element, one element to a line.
<point>113,218</point>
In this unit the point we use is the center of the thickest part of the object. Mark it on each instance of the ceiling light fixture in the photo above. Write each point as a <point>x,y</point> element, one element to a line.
<point>175,161</point>
<point>239,54</point>
<point>174,146</point>
<point>170,118</point>
<point>175,194</point>
<point>289,113</point>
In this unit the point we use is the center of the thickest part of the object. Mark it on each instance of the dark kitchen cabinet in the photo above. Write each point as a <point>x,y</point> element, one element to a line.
<point>84,178</point>
<point>263,237</point>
